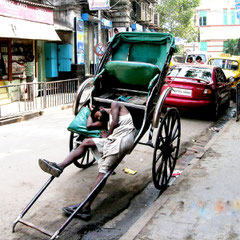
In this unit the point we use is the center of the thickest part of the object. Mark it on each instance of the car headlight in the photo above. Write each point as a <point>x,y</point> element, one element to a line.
<point>232,79</point>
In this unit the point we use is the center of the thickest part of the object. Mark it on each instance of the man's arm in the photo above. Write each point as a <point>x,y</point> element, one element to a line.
<point>115,108</point>
<point>93,125</point>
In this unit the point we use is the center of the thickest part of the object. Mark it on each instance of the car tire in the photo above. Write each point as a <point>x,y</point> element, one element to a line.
<point>227,104</point>
<point>215,112</point>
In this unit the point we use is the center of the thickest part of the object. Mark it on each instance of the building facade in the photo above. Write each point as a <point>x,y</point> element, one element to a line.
<point>217,22</point>
<point>125,15</point>
<point>24,26</point>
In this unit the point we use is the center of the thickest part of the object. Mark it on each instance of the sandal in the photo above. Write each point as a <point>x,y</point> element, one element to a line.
<point>84,214</point>
<point>50,167</point>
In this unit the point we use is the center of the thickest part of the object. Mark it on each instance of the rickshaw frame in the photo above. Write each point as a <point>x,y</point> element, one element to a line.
<point>151,118</point>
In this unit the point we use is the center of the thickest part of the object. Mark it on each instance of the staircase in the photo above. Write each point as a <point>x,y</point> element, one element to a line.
<point>4,94</point>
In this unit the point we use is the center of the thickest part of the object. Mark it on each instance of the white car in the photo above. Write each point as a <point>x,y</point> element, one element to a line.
<point>204,55</point>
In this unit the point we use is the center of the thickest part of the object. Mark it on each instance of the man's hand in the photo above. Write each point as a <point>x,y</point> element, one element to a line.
<point>104,134</point>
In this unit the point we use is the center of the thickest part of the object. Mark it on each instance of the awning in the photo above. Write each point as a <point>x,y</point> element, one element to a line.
<point>17,28</point>
<point>60,27</point>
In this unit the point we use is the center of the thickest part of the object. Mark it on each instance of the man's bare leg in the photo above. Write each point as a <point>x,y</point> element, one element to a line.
<point>96,192</point>
<point>77,153</point>
<point>55,169</point>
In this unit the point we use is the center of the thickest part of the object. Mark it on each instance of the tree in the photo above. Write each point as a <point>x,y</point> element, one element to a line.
<point>176,17</point>
<point>231,46</point>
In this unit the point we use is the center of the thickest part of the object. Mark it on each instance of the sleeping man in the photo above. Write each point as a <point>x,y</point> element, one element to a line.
<point>118,141</point>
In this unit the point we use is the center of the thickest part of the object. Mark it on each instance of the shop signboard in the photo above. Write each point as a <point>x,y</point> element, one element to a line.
<point>106,23</point>
<point>24,11</point>
<point>80,40</point>
<point>99,5</point>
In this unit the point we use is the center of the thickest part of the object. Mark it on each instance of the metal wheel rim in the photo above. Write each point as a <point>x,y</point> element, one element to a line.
<point>84,162</point>
<point>166,149</point>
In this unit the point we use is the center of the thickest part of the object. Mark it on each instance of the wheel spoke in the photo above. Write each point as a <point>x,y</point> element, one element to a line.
<point>87,157</point>
<point>159,169</point>
<point>164,173</point>
<point>172,125</point>
<point>165,128</point>
<point>159,156</point>
<point>170,164</point>
<point>82,161</point>
<point>162,180</point>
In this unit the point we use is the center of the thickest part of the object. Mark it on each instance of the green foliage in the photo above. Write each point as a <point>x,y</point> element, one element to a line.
<point>231,46</point>
<point>176,17</point>
<point>180,49</point>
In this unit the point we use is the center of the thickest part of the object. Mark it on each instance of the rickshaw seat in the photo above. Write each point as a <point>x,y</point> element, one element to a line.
<point>130,75</point>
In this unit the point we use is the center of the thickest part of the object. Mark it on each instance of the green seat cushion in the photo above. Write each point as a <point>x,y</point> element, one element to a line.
<point>79,124</point>
<point>134,75</point>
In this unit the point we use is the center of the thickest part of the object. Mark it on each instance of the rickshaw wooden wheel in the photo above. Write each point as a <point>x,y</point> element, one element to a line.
<point>81,96</point>
<point>166,148</point>
<point>87,160</point>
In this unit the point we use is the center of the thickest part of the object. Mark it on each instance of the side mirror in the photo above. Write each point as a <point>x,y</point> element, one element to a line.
<point>231,79</point>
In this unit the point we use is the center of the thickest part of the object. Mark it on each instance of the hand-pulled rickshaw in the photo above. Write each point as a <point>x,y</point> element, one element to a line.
<point>132,71</point>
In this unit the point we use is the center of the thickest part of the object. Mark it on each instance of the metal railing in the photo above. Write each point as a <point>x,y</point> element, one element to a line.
<point>27,97</point>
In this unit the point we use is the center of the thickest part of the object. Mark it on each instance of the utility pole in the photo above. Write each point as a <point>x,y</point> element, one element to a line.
<point>99,26</point>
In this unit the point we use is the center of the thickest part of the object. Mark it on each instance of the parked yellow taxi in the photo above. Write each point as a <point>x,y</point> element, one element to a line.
<point>231,67</point>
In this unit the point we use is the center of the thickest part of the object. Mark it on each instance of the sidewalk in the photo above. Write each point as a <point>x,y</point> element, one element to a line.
<point>204,201</point>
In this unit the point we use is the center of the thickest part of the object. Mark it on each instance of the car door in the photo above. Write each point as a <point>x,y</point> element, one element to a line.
<point>222,86</point>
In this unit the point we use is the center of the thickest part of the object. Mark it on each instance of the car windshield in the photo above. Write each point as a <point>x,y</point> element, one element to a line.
<point>203,56</point>
<point>224,64</point>
<point>204,74</point>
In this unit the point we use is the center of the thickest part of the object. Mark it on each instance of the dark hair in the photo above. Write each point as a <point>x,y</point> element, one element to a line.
<point>96,109</point>
<point>190,58</point>
<point>104,118</point>
<point>198,58</point>
<point>115,30</point>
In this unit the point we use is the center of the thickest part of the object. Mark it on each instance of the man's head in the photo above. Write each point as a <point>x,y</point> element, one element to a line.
<point>198,59</point>
<point>115,30</point>
<point>99,114</point>
<point>190,60</point>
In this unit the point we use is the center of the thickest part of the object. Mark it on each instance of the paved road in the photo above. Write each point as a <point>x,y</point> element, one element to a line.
<point>46,137</point>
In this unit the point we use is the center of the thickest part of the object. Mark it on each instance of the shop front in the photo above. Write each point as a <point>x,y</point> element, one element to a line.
<point>23,25</point>
<point>90,40</point>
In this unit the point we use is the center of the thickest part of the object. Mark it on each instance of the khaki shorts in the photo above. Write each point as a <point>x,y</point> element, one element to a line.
<point>104,165</point>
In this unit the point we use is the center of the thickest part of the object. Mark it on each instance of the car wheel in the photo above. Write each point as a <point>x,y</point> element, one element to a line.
<point>214,112</point>
<point>227,104</point>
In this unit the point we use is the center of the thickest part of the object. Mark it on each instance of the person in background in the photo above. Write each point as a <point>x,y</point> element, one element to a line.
<point>115,30</point>
<point>29,71</point>
<point>190,60</point>
<point>2,66</point>
<point>199,60</point>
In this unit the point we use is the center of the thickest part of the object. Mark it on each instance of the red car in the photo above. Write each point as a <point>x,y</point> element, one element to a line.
<point>199,87</point>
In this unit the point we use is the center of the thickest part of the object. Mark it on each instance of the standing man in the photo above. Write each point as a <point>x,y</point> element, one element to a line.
<point>29,71</point>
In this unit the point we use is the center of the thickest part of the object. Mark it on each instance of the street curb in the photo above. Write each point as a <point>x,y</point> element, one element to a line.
<point>137,227</point>
<point>29,115</point>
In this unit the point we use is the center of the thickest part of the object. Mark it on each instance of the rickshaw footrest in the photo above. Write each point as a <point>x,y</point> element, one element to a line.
<point>40,229</point>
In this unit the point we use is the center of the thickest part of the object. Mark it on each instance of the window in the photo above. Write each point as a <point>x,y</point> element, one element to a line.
<point>225,17</point>
<point>233,18</point>
<point>203,18</point>
<point>220,77</point>
<point>203,46</point>
<point>204,74</point>
<point>225,64</point>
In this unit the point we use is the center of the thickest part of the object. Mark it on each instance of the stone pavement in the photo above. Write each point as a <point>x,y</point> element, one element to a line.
<point>204,201</point>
